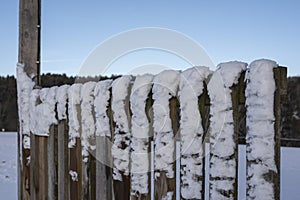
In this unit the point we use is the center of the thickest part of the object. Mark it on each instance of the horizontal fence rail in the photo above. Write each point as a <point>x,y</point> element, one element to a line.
<point>127,138</point>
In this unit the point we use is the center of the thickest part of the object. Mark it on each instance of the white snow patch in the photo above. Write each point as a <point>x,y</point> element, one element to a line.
<point>169,196</point>
<point>121,143</point>
<point>61,99</point>
<point>24,88</point>
<point>87,119</point>
<point>165,87</point>
<point>260,125</point>
<point>102,95</point>
<point>140,134</point>
<point>42,110</point>
<point>191,131</point>
<point>74,106</point>
<point>74,175</point>
<point>222,128</point>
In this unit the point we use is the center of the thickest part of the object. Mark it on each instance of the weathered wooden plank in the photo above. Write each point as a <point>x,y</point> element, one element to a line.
<point>29,37</point>
<point>52,163</point>
<point>40,169</point>
<point>236,95</point>
<point>75,172</point>
<point>63,172</point>
<point>74,143</point>
<point>140,143</point>
<point>192,129</point>
<point>203,101</point>
<point>103,168</point>
<point>104,123</point>
<point>121,137</point>
<point>263,130</point>
<point>175,119</point>
<point>224,94</point>
<point>164,93</point>
<point>279,98</point>
<point>88,141</point>
<point>29,54</point>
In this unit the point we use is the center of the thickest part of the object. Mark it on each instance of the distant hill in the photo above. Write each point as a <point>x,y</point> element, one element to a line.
<point>8,102</point>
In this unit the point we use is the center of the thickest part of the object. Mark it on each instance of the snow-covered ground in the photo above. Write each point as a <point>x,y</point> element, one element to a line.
<point>8,165</point>
<point>290,170</point>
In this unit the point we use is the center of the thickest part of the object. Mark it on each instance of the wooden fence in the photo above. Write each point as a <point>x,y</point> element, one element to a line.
<point>127,138</point>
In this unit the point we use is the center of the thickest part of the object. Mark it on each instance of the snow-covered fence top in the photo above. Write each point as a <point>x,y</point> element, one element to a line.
<point>119,138</point>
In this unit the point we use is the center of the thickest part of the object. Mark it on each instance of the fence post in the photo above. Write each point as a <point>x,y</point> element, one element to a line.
<point>263,100</point>
<point>29,55</point>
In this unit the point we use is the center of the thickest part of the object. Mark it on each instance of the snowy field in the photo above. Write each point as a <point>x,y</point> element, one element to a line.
<point>8,165</point>
<point>290,170</point>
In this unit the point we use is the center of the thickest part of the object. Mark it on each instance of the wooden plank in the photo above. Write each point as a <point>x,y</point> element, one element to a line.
<point>224,131</point>
<point>175,119</point>
<point>164,110</point>
<point>141,99</point>
<point>263,133</point>
<point>103,168</point>
<point>63,172</point>
<point>29,37</point>
<point>121,139</point>
<point>92,175</point>
<point>52,163</point>
<point>164,185</point>
<point>75,163</point>
<point>104,165</point>
<point>235,97</point>
<point>75,166</point>
<point>279,96</point>
<point>29,54</point>
<point>40,167</point>
<point>203,101</point>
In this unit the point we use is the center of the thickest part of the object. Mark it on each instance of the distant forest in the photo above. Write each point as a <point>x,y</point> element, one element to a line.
<point>9,114</point>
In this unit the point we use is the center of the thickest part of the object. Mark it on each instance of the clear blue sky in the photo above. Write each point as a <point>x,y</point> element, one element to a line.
<point>227,30</point>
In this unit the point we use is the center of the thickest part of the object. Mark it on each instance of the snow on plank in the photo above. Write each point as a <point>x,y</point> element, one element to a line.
<point>121,140</point>
<point>103,134</point>
<point>191,132</point>
<point>101,103</point>
<point>87,119</point>
<point>42,111</point>
<point>73,109</point>
<point>260,130</point>
<point>140,156</point>
<point>164,89</point>
<point>223,146</point>
<point>74,144</point>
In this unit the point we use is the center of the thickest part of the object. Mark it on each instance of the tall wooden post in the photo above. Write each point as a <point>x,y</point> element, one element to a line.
<point>29,55</point>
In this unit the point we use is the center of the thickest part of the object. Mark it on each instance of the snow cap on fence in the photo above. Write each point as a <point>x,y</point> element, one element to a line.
<point>140,134</point>
<point>260,128</point>
<point>222,135</point>
<point>24,88</point>
<point>165,86</point>
<point>74,105</point>
<point>87,119</point>
<point>43,113</point>
<point>121,144</point>
<point>61,100</point>
<point>102,96</point>
<point>191,131</point>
